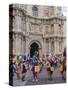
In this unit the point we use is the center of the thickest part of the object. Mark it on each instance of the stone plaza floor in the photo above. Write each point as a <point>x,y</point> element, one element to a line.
<point>43,78</point>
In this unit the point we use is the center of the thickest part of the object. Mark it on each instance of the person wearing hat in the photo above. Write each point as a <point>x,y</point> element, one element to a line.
<point>18,66</point>
<point>24,70</point>
<point>62,67</point>
<point>50,69</point>
<point>35,73</point>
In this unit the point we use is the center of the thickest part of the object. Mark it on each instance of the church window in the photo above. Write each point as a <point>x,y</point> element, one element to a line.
<point>52,29</point>
<point>35,10</point>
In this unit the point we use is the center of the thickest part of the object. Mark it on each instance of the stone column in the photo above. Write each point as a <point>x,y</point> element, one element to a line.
<point>27,44</point>
<point>55,29</point>
<point>42,42</point>
<point>17,23</point>
<point>17,20</point>
<point>62,45</point>
<point>14,44</point>
<point>56,46</point>
<point>22,41</point>
<point>18,44</point>
<point>21,45</point>
<point>49,45</point>
<point>45,46</point>
<point>27,26</point>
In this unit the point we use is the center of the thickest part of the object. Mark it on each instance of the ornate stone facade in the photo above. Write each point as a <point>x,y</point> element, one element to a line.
<point>46,29</point>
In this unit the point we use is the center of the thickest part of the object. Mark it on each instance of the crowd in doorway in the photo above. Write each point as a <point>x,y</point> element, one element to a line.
<point>22,63</point>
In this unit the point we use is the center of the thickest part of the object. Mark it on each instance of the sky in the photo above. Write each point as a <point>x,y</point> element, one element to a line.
<point>64,11</point>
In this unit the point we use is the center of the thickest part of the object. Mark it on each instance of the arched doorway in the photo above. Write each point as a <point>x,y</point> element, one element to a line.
<point>34,47</point>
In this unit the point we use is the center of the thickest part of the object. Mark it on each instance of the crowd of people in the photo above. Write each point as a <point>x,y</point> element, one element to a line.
<point>21,64</point>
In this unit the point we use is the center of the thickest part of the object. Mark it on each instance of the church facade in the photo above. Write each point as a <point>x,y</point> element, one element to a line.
<point>36,28</point>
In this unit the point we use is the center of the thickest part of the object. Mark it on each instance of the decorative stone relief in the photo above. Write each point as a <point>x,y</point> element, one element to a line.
<point>52,29</point>
<point>35,28</point>
<point>60,30</point>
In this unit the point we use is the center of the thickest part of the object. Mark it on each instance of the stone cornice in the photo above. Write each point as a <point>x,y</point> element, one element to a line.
<point>54,36</point>
<point>47,18</point>
<point>16,32</point>
<point>36,33</point>
<point>47,21</point>
<point>39,18</point>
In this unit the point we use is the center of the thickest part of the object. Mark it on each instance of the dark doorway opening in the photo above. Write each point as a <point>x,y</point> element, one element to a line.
<point>33,48</point>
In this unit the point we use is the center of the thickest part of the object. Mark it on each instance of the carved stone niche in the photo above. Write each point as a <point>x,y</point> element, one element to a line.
<point>60,28</point>
<point>46,29</point>
<point>24,39</point>
<point>46,21</point>
<point>52,29</point>
<point>47,40</point>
